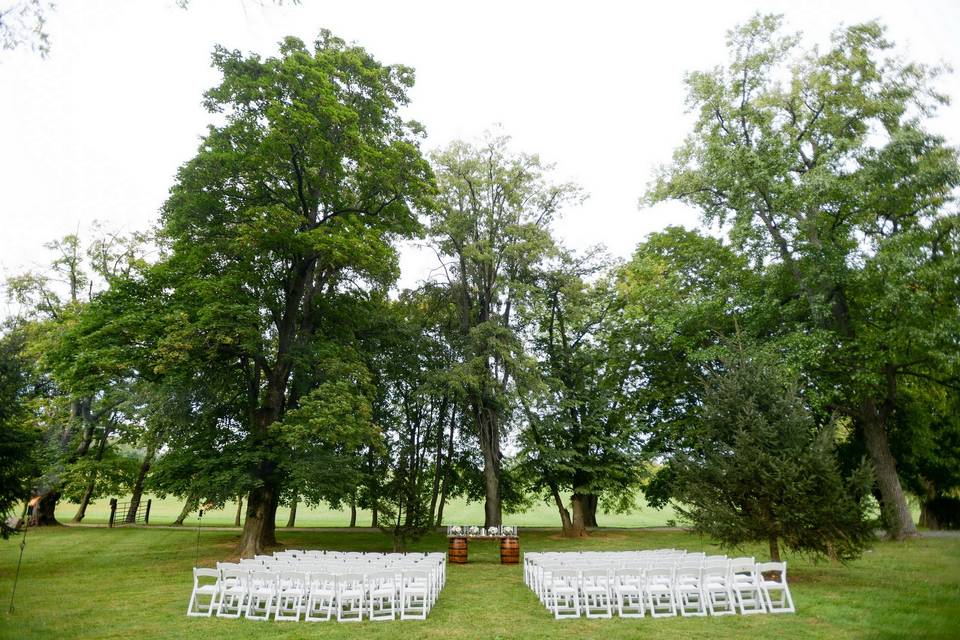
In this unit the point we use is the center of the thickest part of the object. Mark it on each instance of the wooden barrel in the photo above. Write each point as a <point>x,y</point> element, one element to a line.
<point>509,551</point>
<point>457,551</point>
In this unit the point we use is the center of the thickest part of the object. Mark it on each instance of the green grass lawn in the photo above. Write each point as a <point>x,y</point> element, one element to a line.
<point>135,583</point>
<point>456,512</point>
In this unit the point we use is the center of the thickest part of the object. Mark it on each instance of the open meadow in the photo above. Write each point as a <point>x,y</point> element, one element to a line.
<point>457,511</point>
<point>135,582</point>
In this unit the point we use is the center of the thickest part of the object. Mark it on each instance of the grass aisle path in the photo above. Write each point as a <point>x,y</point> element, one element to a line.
<point>135,583</point>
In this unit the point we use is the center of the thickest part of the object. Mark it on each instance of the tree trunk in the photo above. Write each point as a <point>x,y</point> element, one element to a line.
<point>489,430</point>
<point>565,521</point>
<point>928,517</point>
<point>92,482</point>
<point>374,517</point>
<point>590,513</point>
<point>578,527</point>
<point>137,494</point>
<point>896,511</point>
<point>193,501</point>
<point>353,510</point>
<point>44,513</point>
<point>270,526</point>
<point>446,473</point>
<point>236,519</point>
<point>85,499</point>
<point>774,548</point>
<point>292,520</point>
<point>255,524</point>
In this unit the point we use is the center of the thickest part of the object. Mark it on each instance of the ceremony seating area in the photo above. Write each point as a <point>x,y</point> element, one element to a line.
<point>665,582</point>
<point>321,585</point>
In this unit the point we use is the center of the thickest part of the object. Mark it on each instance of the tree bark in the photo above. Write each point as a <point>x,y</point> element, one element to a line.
<point>578,527</point>
<point>193,501</point>
<point>292,520</point>
<point>270,526</point>
<point>565,520</point>
<point>137,494</point>
<point>896,511</point>
<point>236,520</point>
<point>255,524</point>
<point>44,514</point>
<point>489,428</point>
<point>446,473</point>
<point>353,510</point>
<point>590,512</point>
<point>438,461</point>
<point>774,548</point>
<point>85,499</point>
<point>92,482</point>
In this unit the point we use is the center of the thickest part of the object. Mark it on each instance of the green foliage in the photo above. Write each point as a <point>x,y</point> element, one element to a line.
<point>581,434</point>
<point>756,467</point>
<point>19,439</point>
<point>820,167</point>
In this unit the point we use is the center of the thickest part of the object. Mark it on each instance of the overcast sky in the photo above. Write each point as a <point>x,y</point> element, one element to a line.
<point>97,130</point>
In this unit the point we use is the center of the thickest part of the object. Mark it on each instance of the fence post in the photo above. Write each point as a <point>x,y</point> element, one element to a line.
<point>146,516</point>
<point>113,510</point>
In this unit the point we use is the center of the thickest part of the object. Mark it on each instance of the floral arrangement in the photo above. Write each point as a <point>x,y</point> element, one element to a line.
<point>493,531</point>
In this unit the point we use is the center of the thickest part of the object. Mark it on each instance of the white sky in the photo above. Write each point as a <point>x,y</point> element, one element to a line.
<point>97,130</point>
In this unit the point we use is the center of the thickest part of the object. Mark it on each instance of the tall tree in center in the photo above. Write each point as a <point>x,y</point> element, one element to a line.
<point>293,196</point>
<point>490,228</point>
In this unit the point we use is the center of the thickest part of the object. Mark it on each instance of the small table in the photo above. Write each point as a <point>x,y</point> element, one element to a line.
<point>509,548</point>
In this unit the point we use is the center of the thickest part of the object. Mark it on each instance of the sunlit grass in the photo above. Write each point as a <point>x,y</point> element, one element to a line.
<point>135,583</point>
<point>457,511</point>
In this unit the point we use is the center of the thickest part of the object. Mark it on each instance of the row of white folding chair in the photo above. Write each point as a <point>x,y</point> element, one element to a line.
<point>288,594</point>
<point>666,590</point>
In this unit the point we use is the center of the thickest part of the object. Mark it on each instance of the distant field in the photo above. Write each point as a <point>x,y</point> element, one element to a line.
<point>457,512</point>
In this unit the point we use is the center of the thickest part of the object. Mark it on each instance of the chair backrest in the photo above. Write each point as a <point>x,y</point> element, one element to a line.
<point>293,579</point>
<point>743,570</point>
<point>381,579</point>
<point>349,581</point>
<point>234,577</point>
<point>714,575</point>
<point>773,571</point>
<point>199,573</point>
<point>262,578</point>
<point>688,575</point>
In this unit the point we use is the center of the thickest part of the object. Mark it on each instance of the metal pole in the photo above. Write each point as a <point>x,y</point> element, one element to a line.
<point>196,560</point>
<point>23,543</point>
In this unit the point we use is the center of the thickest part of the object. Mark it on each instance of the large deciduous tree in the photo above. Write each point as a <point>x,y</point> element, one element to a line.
<point>293,196</point>
<point>581,433</point>
<point>819,162</point>
<point>491,226</point>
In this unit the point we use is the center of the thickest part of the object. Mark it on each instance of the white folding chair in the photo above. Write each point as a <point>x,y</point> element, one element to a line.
<point>350,597</point>
<point>563,592</point>
<point>414,594</point>
<point>262,598</point>
<point>206,585</point>
<point>595,589</point>
<point>746,586</point>
<point>628,591</point>
<point>381,595</point>
<point>234,593</point>
<point>658,585</point>
<point>688,591</point>
<point>322,596</point>
<point>773,581</point>
<point>291,593</point>
<point>717,594</point>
